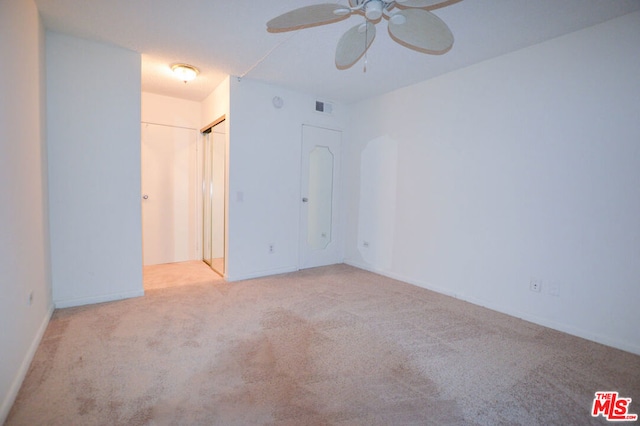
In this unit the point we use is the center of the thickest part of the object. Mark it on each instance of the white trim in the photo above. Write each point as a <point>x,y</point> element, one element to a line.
<point>10,397</point>
<point>565,328</point>
<point>69,303</point>
<point>169,125</point>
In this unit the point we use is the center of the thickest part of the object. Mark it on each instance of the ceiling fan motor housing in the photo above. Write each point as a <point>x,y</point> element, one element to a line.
<point>373,10</point>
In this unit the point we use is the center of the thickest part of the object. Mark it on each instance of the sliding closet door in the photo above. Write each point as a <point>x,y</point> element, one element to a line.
<point>214,197</point>
<point>207,190</point>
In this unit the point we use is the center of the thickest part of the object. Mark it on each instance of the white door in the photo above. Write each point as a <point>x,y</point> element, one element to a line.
<point>320,173</point>
<point>169,185</point>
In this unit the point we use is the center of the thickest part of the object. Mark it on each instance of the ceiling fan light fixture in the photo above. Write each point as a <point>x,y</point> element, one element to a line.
<point>185,72</point>
<point>398,19</point>
<point>412,26</point>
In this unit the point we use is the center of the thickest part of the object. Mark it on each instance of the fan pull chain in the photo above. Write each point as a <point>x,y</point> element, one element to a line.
<point>366,39</point>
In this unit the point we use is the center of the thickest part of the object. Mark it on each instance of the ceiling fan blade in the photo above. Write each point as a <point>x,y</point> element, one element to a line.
<point>353,44</point>
<point>308,16</point>
<point>421,30</point>
<point>425,4</point>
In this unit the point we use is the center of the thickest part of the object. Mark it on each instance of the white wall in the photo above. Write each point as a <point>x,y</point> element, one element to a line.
<point>24,234</point>
<point>93,132</point>
<point>159,109</point>
<point>523,167</point>
<point>264,175</point>
<point>216,104</point>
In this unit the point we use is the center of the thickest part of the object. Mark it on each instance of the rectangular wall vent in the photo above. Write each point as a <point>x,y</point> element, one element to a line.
<point>324,107</point>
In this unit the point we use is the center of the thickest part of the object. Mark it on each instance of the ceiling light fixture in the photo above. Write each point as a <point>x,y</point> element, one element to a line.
<point>185,72</point>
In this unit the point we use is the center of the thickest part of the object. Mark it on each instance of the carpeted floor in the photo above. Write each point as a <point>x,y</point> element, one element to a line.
<point>325,346</point>
<point>178,274</point>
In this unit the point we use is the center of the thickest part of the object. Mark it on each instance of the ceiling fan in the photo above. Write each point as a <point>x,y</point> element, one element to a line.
<point>410,23</point>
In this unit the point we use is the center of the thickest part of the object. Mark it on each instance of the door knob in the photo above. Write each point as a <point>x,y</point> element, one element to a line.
<point>145,196</point>
<point>305,199</point>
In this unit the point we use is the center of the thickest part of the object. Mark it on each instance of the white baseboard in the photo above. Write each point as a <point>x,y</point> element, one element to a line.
<point>24,367</point>
<point>565,328</point>
<point>68,303</point>
<point>260,274</point>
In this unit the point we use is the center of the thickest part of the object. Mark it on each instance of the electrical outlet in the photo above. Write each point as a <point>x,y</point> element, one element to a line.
<point>535,285</point>
<point>272,248</point>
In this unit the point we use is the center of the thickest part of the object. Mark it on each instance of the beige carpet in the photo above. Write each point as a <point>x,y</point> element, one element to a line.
<point>325,346</point>
<point>177,274</point>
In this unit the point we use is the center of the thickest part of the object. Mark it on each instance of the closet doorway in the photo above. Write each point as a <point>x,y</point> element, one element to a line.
<point>214,195</point>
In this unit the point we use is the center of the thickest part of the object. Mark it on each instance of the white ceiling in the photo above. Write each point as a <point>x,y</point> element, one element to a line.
<point>229,38</point>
